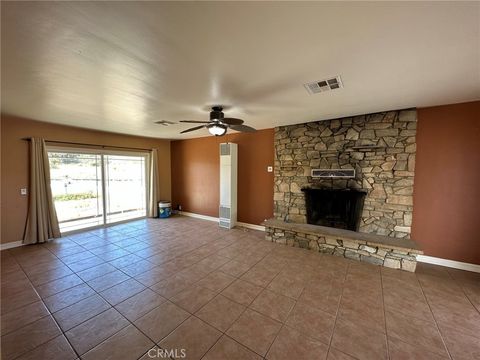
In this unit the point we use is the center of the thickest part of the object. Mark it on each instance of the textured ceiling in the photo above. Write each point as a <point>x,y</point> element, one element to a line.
<point>120,66</point>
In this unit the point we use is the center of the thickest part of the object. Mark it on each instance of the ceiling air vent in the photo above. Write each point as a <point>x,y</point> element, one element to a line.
<point>324,85</point>
<point>164,122</point>
<point>333,173</point>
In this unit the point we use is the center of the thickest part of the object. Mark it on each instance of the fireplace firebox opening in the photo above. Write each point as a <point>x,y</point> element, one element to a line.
<point>340,209</point>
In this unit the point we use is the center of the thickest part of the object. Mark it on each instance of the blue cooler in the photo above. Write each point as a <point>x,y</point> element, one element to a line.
<point>164,209</point>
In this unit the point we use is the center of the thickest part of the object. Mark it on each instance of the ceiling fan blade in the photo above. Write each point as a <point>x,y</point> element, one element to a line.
<point>242,128</point>
<point>232,121</point>
<point>194,122</point>
<point>192,129</point>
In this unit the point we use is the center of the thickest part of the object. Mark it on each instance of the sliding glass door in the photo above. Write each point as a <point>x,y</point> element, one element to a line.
<point>125,185</point>
<point>92,188</point>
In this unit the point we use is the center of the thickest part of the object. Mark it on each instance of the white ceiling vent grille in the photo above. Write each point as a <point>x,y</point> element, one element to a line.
<point>164,122</point>
<point>331,83</point>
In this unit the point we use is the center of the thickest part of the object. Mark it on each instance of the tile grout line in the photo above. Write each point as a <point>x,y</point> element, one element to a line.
<point>338,309</point>
<point>464,292</point>
<point>385,317</point>
<point>246,307</point>
<point>49,314</point>
<point>96,293</point>
<point>193,314</point>
<point>282,323</point>
<point>167,300</point>
<point>434,319</point>
<point>171,251</point>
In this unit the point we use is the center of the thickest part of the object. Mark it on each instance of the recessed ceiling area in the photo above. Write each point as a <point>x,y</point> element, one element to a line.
<point>122,66</point>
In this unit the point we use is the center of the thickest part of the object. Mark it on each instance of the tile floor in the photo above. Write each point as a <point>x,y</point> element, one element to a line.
<point>152,285</point>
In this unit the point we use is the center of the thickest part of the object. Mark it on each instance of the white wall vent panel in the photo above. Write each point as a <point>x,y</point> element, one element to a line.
<point>228,185</point>
<point>333,173</point>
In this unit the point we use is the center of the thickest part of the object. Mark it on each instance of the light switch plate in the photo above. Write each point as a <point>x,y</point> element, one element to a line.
<point>23,191</point>
<point>269,168</point>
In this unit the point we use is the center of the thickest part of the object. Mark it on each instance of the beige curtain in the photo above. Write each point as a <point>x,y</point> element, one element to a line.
<point>42,223</point>
<point>153,185</point>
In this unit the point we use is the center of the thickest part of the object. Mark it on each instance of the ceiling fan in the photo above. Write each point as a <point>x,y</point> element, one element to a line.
<point>218,123</point>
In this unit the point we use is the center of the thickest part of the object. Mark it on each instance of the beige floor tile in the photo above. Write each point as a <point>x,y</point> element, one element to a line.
<point>161,321</point>
<point>359,342</point>
<point>291,344</point>
<point>287,286</point>
<point>172,256</point>
<point>193,298</point>
<point>334,354</point>
<point>29,337</point>
<point>255,331</point>
<point>220,312</point>
<point>139,304</point>
<point>68,297</point>
<point>461,345</point>
<point>234,268</point>
<point>56,349</point>
<point>127,344</point>
<point>99,328</point>
<point>108,280</point>
<point>400,350</point>
<point>118,293</point>
<point>17,319</point>
<point>312,322</point>
<point>415,332</point>
<point>171,286</point>
<point>226,348</point>
<point>194,335</point>
<point>273,305</point>
<point>242,292</point>
<point>81,311</point>
<point>216,281</point>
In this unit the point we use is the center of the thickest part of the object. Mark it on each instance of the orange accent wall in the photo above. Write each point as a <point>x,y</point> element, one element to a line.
<point>195,175</point>
<point>14,164</point>
<point>446,198</point>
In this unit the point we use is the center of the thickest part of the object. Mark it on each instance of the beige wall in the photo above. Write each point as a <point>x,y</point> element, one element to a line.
<point>14,163</point>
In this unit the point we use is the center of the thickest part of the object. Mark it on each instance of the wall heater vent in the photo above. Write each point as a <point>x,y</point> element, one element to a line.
<point>228,185</point>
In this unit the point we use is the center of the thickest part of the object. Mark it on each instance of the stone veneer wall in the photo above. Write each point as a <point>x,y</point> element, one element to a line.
<point>381,147</point>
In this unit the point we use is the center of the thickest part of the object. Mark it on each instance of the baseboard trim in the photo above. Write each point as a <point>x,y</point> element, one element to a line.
<point>211,218</point>
<point>449,263</point>
<point>198,216</point>
<point>251,226</point>
<point>11,245</point>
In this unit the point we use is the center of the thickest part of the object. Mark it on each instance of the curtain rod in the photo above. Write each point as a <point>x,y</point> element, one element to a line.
<point>85,144</point>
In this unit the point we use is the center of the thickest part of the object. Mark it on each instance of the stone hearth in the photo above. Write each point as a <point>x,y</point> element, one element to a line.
<point>374,249</point>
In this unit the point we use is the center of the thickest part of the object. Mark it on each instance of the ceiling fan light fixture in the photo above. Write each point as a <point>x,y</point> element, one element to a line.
<point>217,129</point>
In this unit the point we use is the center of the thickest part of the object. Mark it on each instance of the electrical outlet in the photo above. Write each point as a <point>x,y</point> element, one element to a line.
<point>23,191</point>
<point>269,168</point>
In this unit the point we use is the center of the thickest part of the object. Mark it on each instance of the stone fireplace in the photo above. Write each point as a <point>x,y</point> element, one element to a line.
<point>380,147</point>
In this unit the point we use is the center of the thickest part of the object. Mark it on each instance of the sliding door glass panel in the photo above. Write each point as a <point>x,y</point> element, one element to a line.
<point>125,187</point>
<point>76,182</point>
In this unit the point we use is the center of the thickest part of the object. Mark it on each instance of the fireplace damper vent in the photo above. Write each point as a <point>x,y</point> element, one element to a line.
<point>333,173</point>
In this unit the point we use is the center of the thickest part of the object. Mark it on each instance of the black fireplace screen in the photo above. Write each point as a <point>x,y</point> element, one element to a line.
<point>334,208</point>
